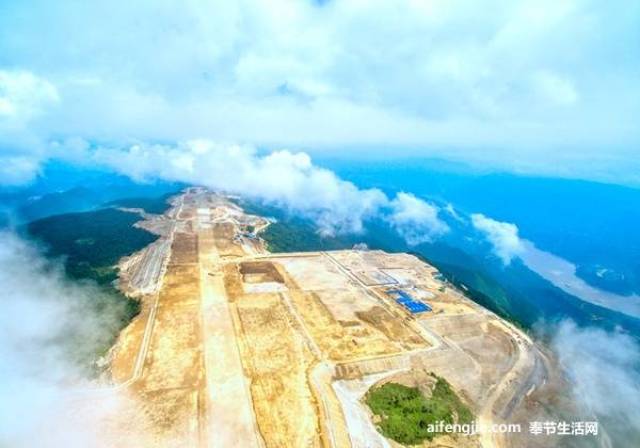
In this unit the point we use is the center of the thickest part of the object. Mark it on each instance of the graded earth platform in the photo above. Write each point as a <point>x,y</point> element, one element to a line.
<point>236,346</point>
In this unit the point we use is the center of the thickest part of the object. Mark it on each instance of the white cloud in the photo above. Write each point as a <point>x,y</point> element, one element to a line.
<point>23,96</point>
<point>553,84</point>
<point>284,178</point>
<point>556,88</point>
<point>503,236</point>
<point>47,325</point>
<point>603,374</point>
<point>18,170</point>
<point>450,209</point>
<point>416,220</point>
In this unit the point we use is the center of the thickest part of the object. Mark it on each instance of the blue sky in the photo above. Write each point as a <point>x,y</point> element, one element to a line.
<point>549,87</point>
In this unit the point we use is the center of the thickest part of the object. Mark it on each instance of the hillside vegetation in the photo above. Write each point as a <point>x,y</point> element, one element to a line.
<point>90,245</point>
<point>405,413</point>
<point>91,242</point>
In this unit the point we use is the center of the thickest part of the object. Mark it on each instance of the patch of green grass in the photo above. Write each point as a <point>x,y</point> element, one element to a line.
<point>405,413</point>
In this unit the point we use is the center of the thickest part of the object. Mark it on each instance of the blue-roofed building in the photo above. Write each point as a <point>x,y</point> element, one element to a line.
<point>404,299</point>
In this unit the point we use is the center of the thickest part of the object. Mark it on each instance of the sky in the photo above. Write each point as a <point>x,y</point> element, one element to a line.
<point>549,87</point>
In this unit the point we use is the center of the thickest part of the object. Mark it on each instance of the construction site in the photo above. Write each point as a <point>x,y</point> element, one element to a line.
<point>237,346</point>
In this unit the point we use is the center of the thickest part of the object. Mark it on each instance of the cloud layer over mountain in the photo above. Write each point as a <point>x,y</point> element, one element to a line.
<point>603,371</point>
<point>48,332</point>
<point>503,236</point>
<point>284,178</point>
<point>527,85</point>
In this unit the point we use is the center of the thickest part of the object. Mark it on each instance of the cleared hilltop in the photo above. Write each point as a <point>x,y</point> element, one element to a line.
<point>236,346</point>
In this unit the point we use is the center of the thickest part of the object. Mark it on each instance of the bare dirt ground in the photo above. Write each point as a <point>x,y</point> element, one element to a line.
<point>239,347</point>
